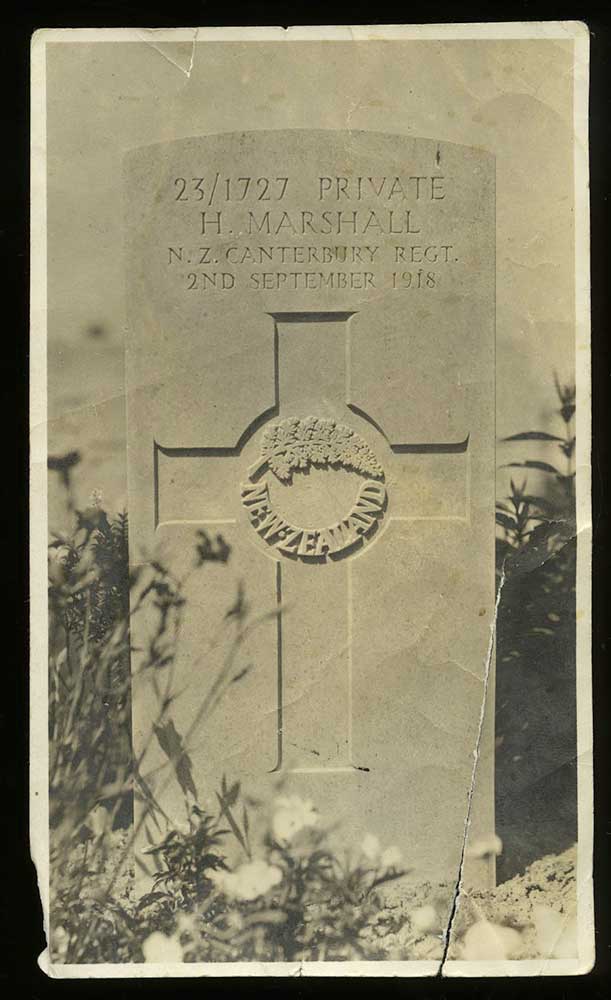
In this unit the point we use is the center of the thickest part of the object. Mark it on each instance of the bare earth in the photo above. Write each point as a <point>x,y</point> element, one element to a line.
<point>548,883</point>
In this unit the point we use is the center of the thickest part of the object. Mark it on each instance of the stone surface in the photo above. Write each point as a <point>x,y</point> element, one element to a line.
<point>311,375</point>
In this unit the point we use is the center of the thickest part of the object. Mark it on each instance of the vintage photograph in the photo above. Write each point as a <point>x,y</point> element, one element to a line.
<point>310,483</point>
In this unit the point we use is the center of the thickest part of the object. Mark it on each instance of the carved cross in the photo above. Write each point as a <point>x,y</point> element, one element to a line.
<point>318,482</point>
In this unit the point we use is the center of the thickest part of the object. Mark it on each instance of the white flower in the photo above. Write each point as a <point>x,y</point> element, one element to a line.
<point>425,919</point>
<point>58,558</point>
<point>371,846</point>
<point>556,933</point>
<point>99,821</point>
<point>61,940</point>
<point>292,815</point>
<point>391,857</point>
<point>485,941</point>
<point>250,880</point>
<point>160,948</point>
<point>187,923</point>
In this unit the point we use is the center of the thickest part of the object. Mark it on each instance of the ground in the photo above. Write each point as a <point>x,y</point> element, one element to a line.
<point>533,904</point>
<point>536,909</point>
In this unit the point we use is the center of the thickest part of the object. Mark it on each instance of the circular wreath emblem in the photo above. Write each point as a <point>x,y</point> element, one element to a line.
<point>295,444</point>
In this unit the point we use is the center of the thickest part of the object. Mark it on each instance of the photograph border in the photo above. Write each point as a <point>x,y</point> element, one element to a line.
<point>38,489</point>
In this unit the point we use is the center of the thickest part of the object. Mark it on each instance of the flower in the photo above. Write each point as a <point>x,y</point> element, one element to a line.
<point>59,558</point>
<point>60,940</point>
<point>99,821</point>
<point>160,948</point>
<point>485,941</point>
<point>391,857</point>
<point>292,815</point>
<point>556,933</point>
<point>250,880</point>
<point>186,923</point>
<point>425,919</point>
<point>371,847</point>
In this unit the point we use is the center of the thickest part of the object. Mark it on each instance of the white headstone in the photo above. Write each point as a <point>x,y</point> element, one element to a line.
<point>311,375</point>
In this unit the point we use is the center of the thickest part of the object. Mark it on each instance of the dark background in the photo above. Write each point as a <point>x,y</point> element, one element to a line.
<point>531,798</point>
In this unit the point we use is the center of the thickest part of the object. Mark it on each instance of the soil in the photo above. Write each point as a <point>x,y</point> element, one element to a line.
<point>549,882</point>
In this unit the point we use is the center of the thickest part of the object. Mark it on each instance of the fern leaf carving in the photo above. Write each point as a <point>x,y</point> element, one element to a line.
<point>296,444</point>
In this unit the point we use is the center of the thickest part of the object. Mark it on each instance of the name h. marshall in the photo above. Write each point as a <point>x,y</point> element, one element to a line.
<point>331,222</point>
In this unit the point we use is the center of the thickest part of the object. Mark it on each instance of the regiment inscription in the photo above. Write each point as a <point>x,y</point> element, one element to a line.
<point>224,264</point>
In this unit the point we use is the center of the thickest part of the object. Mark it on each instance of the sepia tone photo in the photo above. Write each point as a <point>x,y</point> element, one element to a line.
<point>311,501</point>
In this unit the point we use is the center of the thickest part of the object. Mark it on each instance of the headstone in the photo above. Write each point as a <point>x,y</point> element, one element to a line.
<point>311,376</point>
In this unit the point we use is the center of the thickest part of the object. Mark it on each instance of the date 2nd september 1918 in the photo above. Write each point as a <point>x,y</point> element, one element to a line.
<point>224,281</point>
